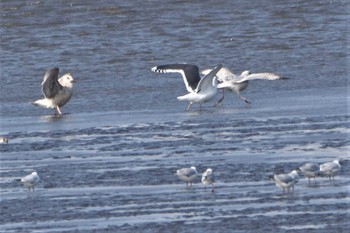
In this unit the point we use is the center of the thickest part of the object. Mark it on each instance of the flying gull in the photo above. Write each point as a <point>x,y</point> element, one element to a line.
<point>330,168</point>
<point>57,91</point>
<point>187,174</point>
<point>200,90</point>
<point>286,181</point>
<point>30,181</point>
<point>310,170</point>
<point>208,178</point>
<point>229,81</point>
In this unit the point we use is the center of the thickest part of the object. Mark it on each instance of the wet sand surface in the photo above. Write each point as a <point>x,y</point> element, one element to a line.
<point>121,177</point>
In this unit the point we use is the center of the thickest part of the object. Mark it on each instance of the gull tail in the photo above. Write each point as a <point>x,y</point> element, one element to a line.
<point>187,97</point>
<point>46,103</point>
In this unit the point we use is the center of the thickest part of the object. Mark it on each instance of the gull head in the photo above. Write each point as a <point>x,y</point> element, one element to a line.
<point>66,80</point>
<point>245,73</point>
<point>194,168</point>
<point>209,170</point>
<point>337,162</point>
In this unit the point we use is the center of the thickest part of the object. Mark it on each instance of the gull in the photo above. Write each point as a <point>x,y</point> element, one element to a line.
<point>57,91</point>
<point>286,181</point>
<point>330,168</point>
<point>30,181</point>
<point>310,170</point>
<point>208,178</point>
<point>200,90</point>
<point>4,140</point>
<point>187,174</point>
<point>229,81</point>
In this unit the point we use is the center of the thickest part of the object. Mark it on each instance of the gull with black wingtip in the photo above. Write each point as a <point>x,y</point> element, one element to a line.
<point>200,90</point>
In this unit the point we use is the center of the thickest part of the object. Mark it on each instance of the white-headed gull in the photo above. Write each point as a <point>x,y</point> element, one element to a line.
<point>330,168</point>
<point>200,90</point>
<point>57,91</point>
<point>231,82</point>
<point>187,174</point>
<point>30,180</point>
<point>208,178</point>
<point>286,181</point>
<point>310,170</point>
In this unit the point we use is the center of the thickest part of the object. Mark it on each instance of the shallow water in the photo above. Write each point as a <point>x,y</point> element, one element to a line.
<point>108,164</point>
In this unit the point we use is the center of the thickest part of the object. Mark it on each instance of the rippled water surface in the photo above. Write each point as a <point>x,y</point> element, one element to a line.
<point>109,164</point>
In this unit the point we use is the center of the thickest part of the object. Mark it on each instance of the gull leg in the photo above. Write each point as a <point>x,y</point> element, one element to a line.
<point>245,99</point>
<point>189,106</point>
<point>213,190</point>
<point>221,99</point>
<point>58,110</point>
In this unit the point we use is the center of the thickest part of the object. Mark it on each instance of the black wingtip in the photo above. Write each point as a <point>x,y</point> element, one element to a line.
<point>55,69</point>
<point>285,78</point>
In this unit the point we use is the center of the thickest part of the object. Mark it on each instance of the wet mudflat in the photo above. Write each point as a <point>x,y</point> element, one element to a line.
<point>121,177</point>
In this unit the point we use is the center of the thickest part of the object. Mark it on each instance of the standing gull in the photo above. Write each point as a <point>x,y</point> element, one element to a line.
<point>208,178</point>
<point>200,90</point>
<point>310,170</point>
<point>330,168</point>
<point>286,181</point>
<point>4,140</point>
<point>187,174</point>
<point>57,91</point>
<point>30,181</point>
<point>231,82</point>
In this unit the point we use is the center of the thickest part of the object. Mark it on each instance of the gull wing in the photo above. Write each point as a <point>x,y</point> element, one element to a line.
<point>285,178</point>
<point>190,73</point>
<point>207,81</point>
<point>30,179</point>
<point>223,75</point>
<point>50,85</point>
<point>329,166</point>
<point>188,172</point>
<point>311,167</point>
<point>264,76</point>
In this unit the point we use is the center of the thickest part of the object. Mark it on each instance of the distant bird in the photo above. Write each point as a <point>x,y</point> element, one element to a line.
<point>30,181</point>
<point>187,174</point>
<point>286,181</point>
<point>208,178</point>
<point>231,82</point>
<point>310,170</point>
<point>4,140</point>
<point>200,90</point>
<point>57,91</point>
<point>330,168</point>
